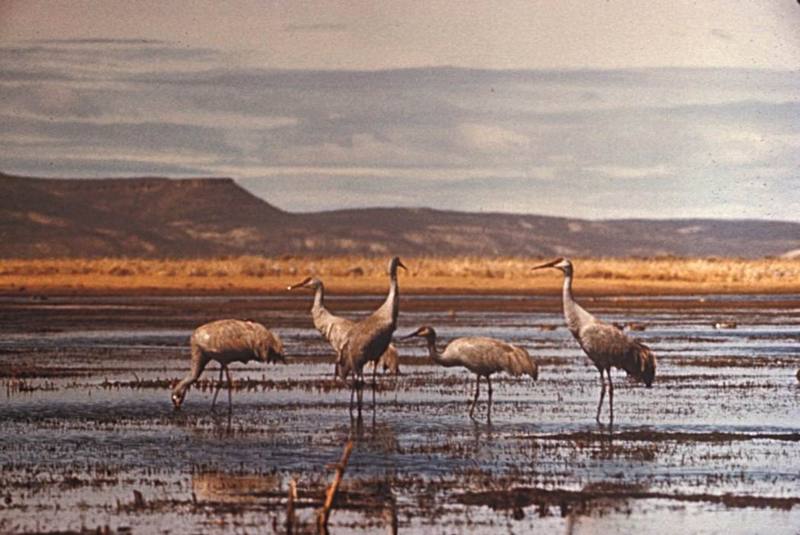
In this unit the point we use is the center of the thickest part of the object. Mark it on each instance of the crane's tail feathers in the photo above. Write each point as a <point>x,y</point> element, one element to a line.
<point>389,360</point>
<point>272,348</point>
<point>521,363</point>
<point>641,363</point>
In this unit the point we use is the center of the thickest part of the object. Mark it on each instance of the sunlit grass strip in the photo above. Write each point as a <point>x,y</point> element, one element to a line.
<point>351,273</point>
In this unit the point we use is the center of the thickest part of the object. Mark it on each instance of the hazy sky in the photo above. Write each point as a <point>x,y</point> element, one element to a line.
<point>588,109</point>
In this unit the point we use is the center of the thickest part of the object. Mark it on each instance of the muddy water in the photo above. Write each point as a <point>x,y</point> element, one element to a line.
<point>88,437</point>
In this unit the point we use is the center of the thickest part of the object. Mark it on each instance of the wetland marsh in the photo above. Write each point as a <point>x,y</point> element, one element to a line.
<point>90,439</point>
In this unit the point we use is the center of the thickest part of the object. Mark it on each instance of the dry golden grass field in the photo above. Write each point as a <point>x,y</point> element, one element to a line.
<point>347,274</point>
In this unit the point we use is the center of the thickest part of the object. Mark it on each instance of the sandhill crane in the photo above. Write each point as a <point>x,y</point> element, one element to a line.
<point>389,361</point>
<point>604,344</point>
<point>227,341</point>
<point>482,356</point>
<point>369,338</point>
<point>335,328</point>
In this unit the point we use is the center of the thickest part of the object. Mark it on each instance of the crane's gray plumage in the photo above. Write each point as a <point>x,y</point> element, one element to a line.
<point>227,341</point>
<point>482,356</point>
<point>334,328</point>
<point>604,344</point>
<point>369,338</point>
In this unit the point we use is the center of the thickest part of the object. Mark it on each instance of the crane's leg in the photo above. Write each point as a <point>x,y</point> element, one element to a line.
<point>602,395</point>
<point>358,386</point>
<point>489,410</point>
<point>374,385</point>
<point>230,387</point>
<point>352,393</point>
<point>353,389</point>
<point>360,391</point>
<point>475,399</point>
<point>219,385</point>
<point>610,398</point>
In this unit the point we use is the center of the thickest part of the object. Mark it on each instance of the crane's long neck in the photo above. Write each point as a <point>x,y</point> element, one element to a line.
<point>573,313</point>
<point>392,303</point>
<point>434,354</point>
<point>319,298</point>
<point>185,383</point>
<point>190,379</point>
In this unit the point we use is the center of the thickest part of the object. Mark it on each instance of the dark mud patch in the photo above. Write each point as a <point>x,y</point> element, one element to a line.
<point>246,385</point>
<point>724,361</point>
<point>664,436</point>
<point>29,371</point>
<point>21,386</point>
<point>582,501</point>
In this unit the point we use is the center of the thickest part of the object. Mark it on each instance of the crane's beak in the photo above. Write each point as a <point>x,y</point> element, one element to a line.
<point>400,264</point>
<point>299,284</point>
<point>550,264</point>
<point>412,335</point>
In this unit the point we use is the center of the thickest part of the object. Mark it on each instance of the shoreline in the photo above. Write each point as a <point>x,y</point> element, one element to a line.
<point>333,287</point>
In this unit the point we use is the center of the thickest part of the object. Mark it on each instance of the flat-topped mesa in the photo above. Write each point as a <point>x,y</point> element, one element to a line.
<point>212,217</point>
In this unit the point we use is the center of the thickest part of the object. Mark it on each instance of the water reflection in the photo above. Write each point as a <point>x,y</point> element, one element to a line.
<point>225,487</point>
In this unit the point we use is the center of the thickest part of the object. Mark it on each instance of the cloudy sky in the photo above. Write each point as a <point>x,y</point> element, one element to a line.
<point>608,109</point>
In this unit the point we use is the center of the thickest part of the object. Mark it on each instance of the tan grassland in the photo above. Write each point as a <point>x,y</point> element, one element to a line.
<point>346,274</point>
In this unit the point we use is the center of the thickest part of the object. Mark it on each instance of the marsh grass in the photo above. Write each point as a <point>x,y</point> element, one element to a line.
<point>350,273</point>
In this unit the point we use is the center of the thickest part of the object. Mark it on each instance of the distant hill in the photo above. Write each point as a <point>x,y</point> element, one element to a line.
<point>165,218</point>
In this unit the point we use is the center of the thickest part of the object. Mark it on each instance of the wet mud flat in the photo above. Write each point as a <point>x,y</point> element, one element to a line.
<point>89,439</point>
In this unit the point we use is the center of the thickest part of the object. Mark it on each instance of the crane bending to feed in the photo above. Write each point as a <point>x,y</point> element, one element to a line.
<point>482,356</point>
<point>369,338</point>
<point>604,344</point>
<point>227,341</point>
<point>335,328</point>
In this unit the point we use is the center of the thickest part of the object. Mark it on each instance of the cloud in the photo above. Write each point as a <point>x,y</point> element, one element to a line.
<point>541,141</point>
<point>172,117</point>
<point>491,138</point>
<point>721,34</point>
<point>430,174</point>
<point>315,27</point>
<point>99,41</point>
<point>613,171</point>
<point>103,59</point>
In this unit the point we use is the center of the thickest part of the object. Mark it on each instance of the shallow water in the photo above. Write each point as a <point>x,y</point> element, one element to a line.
<point>712,447</point>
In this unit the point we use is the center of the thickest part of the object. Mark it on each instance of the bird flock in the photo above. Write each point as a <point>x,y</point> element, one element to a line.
<point>369,340</point>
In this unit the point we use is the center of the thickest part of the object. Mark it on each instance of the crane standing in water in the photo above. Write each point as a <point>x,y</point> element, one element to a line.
<point>369,338</point>
<point>335,328</point>
<point>227,341</point>
<point>483,357</point>
<point>604,344</point>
